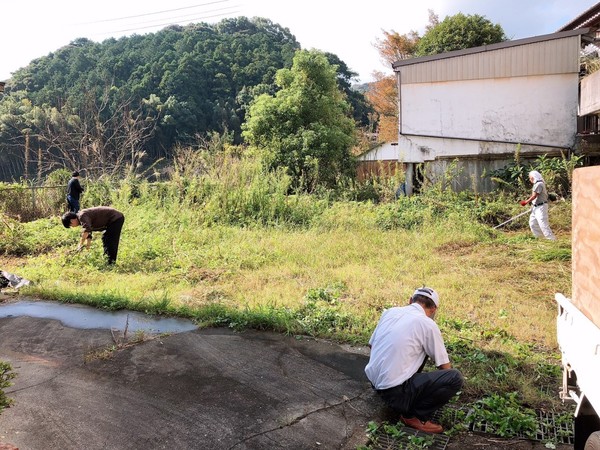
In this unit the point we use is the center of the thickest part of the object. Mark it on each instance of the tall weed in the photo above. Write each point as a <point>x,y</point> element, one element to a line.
<point>26,202</point>
<point>557,173</point>
<point>377,189</point>
<point>226,242</point>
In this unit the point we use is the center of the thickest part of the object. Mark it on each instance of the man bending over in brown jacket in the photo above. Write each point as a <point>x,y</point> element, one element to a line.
<point>99,218</point>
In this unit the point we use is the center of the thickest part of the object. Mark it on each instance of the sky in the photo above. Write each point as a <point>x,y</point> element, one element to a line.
<point>29,30</point>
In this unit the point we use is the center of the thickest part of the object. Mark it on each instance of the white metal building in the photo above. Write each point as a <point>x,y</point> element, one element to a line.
<point>479,105</point>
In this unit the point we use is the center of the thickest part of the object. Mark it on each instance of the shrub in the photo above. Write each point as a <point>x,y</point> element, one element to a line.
<point>322,313</point>
<point>407,213</point>
<point>6,374</point>
<point>557,173</point>
<point>504,416</point>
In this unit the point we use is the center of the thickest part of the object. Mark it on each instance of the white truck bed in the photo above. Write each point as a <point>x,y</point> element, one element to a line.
<point>579,342</point>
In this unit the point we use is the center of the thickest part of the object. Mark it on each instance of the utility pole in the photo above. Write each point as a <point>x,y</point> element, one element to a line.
<point>409,176</point>
<point>27,155</point>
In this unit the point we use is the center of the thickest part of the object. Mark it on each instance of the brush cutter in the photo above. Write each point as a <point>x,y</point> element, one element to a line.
<point>513,218</point>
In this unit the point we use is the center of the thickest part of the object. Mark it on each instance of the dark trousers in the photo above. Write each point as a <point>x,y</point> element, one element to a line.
<point>110,239</point>
<point>424,393</point>
<point>73,204</point>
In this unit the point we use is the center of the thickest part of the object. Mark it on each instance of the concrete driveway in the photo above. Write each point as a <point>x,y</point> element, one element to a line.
<point>200,389</point>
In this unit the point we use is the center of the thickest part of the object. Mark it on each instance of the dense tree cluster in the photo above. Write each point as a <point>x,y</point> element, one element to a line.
<point>125,99</point>
<point>459,32</point>
<point>203,67</point>
<point>306,127</point>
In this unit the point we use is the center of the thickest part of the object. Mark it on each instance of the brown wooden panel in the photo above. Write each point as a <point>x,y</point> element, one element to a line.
<point>372,169</point>
<point>586,242</point>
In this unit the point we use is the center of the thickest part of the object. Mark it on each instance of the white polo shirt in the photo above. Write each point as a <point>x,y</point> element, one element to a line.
<point>399,344</point>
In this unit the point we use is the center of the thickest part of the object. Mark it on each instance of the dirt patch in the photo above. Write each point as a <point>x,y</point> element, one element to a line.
<point>197,275</point>
<point>8,262</point>
<point>456,248</point>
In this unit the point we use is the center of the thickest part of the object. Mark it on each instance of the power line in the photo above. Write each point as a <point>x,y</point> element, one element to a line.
<point>154,13</point>
<point>180,18</point>
<point>164,24</point>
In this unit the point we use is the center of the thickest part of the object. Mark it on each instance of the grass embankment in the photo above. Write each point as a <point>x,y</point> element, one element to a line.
<point>329,274</point>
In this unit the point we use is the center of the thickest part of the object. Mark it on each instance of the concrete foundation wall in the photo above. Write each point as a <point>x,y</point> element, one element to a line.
<point>423,149</point>
<point>467,175</point>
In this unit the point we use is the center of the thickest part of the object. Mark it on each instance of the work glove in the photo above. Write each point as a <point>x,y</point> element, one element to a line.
<point>523,202</point>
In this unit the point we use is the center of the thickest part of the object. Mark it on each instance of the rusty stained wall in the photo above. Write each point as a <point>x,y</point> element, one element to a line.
<point>520,92</point>
<point>540,110</point>
<point>586,242</point>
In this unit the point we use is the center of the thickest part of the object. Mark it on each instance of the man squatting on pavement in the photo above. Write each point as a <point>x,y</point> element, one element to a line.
<point>403,339</point>
<point>99,218</point>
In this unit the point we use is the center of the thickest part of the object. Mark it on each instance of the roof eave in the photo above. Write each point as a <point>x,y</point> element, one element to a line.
<point>491,47</point>
<point>585,19</point>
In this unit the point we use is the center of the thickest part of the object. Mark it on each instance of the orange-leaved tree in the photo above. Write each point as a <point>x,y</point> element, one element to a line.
<point>395,46</point>
<point>383,95</point>
<point>383,92</point>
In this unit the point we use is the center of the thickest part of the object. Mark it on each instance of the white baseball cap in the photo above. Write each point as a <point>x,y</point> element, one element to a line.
<point>429,293</point>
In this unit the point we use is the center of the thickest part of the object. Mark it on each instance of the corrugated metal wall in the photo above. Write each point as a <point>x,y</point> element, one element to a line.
<point>557,56</point>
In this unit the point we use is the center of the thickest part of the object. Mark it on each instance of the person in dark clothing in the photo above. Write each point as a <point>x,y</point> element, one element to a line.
<point>74,191</point>
<point>99,218</point>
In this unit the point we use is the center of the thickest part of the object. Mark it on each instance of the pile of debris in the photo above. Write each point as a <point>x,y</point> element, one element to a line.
<point>12,281</point>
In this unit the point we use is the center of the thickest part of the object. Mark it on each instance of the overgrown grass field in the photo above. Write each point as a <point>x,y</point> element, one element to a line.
<point>244,254</point>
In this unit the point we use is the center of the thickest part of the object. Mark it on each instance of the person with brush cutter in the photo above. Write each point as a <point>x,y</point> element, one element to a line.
<point>402,341</point>
<point>538,219</point>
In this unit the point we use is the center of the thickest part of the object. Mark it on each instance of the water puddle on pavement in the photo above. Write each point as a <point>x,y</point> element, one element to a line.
<point>86,317</point>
